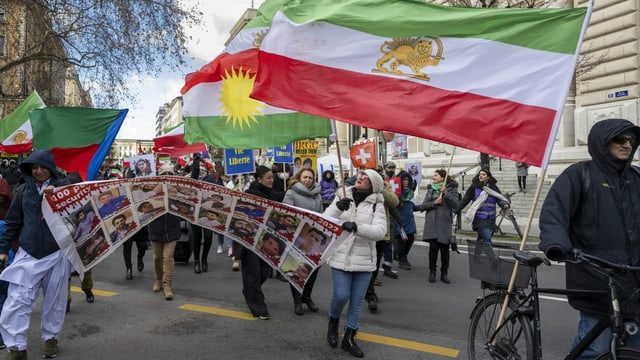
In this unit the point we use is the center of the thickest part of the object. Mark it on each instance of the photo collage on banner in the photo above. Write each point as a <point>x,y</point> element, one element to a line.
<point>91,220</point>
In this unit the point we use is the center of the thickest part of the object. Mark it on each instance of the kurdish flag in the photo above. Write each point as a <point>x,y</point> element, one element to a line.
<point>218,110</point>
<point>15,129</point>
<point>79,138</point>
<point>490,80</point>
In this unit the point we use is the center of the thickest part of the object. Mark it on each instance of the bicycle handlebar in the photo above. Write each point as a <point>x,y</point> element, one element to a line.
<point>580,256</point>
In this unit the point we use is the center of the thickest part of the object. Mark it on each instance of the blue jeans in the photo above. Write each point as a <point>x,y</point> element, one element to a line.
<point>601,344</point>
<point>388,253</point>
<point>348,286</point>
<point>484,235</point>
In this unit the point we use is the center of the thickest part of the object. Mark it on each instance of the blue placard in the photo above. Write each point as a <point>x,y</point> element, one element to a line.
<point>238,161</point>
<point>283,154</point>
<point>622,93</point>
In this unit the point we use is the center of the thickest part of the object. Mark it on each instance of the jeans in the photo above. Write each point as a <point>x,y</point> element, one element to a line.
<point>388,253</point>
<point>348,286</point>
<point>484,235</point>
<point>601,344</point>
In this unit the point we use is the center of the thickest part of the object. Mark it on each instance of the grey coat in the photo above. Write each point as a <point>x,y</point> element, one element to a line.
<point>301,196</point>
<point>522,169</point>
<point>438,219</point>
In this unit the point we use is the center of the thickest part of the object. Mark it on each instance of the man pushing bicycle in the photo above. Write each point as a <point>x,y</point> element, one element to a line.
<point>594,206</point>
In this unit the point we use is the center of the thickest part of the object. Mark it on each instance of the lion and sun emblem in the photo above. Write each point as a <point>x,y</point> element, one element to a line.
<point>416,53</point>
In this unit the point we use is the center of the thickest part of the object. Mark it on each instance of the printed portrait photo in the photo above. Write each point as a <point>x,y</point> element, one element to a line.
<point>120,226</point>
<point>250,210</point>
<point>182,193</point>
<point>182,209</point>
<point>149,209</point>
<point>270,246</point>
<point>111,201</point>
<point>212,219</point>
<point>243,229</point>
<point>296,268</point>
<point>146,191</point>
<point>311,240</point>
<point>213,200</point>
<point>93,247</point>
<point>282,223</point>
<point>83,221</point>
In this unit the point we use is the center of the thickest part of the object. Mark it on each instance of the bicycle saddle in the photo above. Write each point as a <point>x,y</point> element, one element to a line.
<point>528,258</point>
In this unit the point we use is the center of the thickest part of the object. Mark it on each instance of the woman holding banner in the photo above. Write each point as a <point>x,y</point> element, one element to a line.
<point>255,271</point>
<point>304,193</point>
<point>363,213</point>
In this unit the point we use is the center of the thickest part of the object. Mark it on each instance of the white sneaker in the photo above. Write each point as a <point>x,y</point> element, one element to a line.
<point>230,252</point>
<point>219,251</point>
<point>236,265</point>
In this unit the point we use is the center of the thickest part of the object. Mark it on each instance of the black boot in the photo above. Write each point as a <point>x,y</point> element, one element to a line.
<point>332,333</point>
<point>140,264</point>
<point>388,272</point>
<point>432,276</point>
<point>310,304</point>
<point>297,306</point>
<point>89,295</point>
<point>444,277</point>
<point>349,343</point>
<point>204,265</point>
<point>129,274</point>
<point>196,267</point>
<point>372,302</point>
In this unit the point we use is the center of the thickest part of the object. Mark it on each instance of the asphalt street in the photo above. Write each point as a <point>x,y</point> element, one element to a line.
<point>208,318</point>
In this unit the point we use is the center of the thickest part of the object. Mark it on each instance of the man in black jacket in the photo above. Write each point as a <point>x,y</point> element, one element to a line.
<point>39,263</point>
<point>594,206</point>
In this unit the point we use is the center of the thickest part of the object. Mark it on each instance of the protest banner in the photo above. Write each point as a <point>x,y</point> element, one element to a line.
<point>293,241</point>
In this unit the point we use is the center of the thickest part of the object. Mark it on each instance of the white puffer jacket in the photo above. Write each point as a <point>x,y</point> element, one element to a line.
<point>358,253</point>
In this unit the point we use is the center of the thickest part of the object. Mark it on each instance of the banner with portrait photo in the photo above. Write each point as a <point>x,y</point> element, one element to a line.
<point>143,165</point>
<point>305,153</point>
<point>91,220</point>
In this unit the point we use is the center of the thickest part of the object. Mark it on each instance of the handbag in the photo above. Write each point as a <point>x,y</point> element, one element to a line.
<point>454,244</point>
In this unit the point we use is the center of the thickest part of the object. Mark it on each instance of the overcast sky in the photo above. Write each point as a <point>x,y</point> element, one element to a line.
<point>208,42</point>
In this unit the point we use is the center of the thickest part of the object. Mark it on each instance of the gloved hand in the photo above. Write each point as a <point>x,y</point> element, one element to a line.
<point>343,204</point>
<point>555,253</point>
<point>350,226</point>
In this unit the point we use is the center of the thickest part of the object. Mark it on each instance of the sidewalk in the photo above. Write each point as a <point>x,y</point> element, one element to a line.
<point>510,238</point>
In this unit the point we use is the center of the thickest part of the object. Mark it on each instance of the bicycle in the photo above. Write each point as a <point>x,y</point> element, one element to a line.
<point>509,214</point>
<point>518,337</point>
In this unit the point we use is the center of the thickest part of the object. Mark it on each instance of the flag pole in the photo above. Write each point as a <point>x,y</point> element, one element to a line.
<point>335,135</point>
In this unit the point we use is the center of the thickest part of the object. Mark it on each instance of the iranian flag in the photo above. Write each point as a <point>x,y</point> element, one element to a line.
<point>15,129</point>
<point>490,80</point>
<point>218,110</point>
<point>79,138</point>
<point>173,144</point>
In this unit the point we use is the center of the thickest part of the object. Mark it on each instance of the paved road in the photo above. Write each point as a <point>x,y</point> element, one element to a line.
<point>209,320</point>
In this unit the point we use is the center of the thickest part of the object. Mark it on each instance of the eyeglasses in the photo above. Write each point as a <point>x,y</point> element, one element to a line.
<point>622,139</point>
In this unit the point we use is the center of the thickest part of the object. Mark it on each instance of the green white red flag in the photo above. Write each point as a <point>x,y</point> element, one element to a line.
<point>490,80</point>
<point>79,138</point>
<point>15,129</point>
<point>218,110</point>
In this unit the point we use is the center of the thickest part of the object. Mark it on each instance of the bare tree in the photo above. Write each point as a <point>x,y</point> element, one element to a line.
<point>107,41</point>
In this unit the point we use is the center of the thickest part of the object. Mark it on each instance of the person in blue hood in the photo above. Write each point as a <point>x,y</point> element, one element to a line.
<point>39,262</point>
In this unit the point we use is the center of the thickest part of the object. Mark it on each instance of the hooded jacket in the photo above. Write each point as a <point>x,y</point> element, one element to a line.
<point>25,218</point>
<point>601,219</point>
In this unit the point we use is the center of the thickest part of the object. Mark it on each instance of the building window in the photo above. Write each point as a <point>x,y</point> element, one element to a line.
<point>2,46</point>
<point>3,15</point>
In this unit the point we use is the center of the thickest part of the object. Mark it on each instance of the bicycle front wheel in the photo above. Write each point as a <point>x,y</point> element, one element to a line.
<point>515,341</point>
<point>623,354</point>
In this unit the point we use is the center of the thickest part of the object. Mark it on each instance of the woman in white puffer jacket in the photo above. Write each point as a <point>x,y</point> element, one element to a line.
<point>362,210</point>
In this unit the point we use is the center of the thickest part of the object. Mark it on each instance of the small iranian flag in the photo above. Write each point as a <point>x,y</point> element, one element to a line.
<point>490,80</point>
<point>15,129</point>
<point>218,110</point>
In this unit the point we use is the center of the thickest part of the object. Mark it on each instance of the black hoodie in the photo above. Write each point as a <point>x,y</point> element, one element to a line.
<point>25,213</point>
<point>603,221</point>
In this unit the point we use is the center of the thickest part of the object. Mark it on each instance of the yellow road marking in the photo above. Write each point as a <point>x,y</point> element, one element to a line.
<point>218,311</point>
<point>384,340</point>
<point>406,344</point>
<point>96,292</point>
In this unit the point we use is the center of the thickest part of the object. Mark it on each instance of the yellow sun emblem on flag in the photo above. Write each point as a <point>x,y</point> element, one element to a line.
<point>235,103</point>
